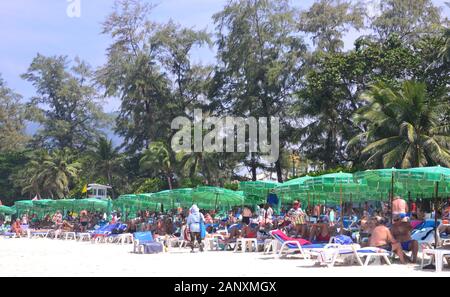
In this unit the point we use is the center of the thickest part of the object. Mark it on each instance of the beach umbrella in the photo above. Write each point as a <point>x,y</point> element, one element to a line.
<point>213,197</point>
<point>294,189</point>
<point>171,198</point>
<point>431,181</point>
<point>7,210</point>
<point>336,185</point>
<point>256,192</point>
<point>92,204</point>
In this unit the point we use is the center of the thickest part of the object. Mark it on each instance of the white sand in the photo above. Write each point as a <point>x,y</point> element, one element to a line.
<point>46,257</point>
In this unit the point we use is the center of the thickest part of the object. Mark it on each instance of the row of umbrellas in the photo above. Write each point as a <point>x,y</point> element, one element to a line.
<point>382,184</point>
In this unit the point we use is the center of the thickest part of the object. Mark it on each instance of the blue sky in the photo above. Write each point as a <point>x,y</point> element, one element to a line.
<point>29,27</point>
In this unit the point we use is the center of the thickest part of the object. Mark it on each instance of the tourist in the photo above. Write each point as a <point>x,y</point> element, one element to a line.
<point>381,237</point>
<point>399,207</point>
<point>297,217</point>
<point>401,231</point>
<point>193,221</point>
<point>246,215</point>
<point>320,232</point>
<point>17,228</point>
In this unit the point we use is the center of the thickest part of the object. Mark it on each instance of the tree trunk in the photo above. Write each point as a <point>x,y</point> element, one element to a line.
<point>110,184</point>
<point>253,166</point>
<point>279,171</point>
<point>169,180</point>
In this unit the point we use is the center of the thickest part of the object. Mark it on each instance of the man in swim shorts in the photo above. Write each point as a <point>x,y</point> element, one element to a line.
<point>382,238</point>
<point>401,231</point>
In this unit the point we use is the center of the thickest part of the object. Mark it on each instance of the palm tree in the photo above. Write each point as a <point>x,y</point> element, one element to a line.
<point>402,128</point>
<point>444,52</point>
<point>106,160</point>
<point>58,172</point>
<point>29,179</point>
<point>158,157</point>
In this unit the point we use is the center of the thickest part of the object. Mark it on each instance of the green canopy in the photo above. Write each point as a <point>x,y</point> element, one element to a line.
<point>256,192</point>
<point>93,204</point>
<point>424,180</point>
<point>432,181</point>
<point>336,187</point>
<point>170,198</point>
<point>214,198</point>
<point>7,210</point>
<point>292,190</point>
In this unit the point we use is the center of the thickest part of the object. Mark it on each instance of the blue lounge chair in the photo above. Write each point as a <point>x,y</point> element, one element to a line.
<point>143,242</point>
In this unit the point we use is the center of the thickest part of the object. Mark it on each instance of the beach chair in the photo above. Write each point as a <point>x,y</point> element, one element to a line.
<point>144,244</point>
<point>101,234</point>
<point>289,244</point>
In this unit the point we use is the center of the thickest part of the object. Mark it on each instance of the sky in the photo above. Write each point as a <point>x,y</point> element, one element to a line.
<point>29,27</point>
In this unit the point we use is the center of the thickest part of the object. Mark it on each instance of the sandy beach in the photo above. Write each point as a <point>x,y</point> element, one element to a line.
<point>46,257</point>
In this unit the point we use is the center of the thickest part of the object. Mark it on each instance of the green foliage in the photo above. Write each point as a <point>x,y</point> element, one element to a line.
<point>404,129</point>
<point>12,112</point>
<point>150,185</point>
<point>66,105</point>
<point>231,186</point>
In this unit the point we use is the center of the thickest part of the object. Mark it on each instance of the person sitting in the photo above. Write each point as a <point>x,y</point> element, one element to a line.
<point>320,232</point>
<point>250,231</point>
<point>401,231</point>
<point>381,237</point>
<point>17,228</point>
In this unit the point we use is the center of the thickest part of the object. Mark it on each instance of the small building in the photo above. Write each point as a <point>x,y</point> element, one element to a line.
<point>98,191</point>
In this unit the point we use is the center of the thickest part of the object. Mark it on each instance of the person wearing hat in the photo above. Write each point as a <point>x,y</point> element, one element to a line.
<point>297,218</point>
<point>193,221</point>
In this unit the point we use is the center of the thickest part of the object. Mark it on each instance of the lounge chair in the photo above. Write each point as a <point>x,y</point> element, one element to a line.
<point>330,253</point>
<point>144,243</point>
<point>294,244</point>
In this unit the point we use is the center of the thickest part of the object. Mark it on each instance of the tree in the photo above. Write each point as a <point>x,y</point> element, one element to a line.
<point>329,20</point>
<point>158,158</point>
<point>49,174</point>
<point>106,161</point>
<point>404,128</point>
<point>66,105</point>
<point>149,69</point>
<point>260,59</point>
<point>12,118</point>
<point>409,19</point>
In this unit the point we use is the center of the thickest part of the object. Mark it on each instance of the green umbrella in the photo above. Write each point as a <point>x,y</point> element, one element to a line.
<point>336,184</point>
<point>171,198</point>
<point>428,180</point>
<point>6,210</point>
<point>207,197</point>
<point>294,189</point>
<point>256,192</point>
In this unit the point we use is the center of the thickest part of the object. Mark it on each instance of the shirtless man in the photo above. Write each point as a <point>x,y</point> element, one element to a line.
<point>382,238</point>
<point>402,233</point>
<point>399,207</point>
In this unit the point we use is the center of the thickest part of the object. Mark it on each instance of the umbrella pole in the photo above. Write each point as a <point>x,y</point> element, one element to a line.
<point>215,206</point>
<point>342,219</point>
<point>391,198</point>
<point>436,192</point>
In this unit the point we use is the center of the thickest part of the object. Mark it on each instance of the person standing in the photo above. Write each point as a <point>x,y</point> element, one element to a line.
<point>194,220</point>
<point>297,218</point>
<point>399,207</point>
